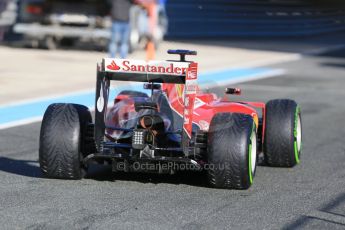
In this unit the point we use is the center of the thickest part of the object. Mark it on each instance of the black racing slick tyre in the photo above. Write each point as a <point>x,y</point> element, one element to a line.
<point>232,151</point>
<point>64,141</point>
<point>283,133</point>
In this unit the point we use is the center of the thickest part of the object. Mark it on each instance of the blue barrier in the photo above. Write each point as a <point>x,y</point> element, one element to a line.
<point>205,18</point>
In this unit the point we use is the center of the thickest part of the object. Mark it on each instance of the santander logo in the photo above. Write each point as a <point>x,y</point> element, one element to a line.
<point>171,68</point>
<point>113,66</point>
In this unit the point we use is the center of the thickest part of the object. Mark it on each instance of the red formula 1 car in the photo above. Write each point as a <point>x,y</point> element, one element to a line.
<point>174,127</point>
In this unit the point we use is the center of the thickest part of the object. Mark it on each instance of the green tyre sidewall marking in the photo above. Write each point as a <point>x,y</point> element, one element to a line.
<point>297,112</point>
<point>250,164</point>
<point>250,157</point>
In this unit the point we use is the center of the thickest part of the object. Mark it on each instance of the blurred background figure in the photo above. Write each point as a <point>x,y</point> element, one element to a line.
<point>2,8</point>
<point>162,13</point>
<point>148,25</point>
<point>120,29</point>
<point>7,16</point>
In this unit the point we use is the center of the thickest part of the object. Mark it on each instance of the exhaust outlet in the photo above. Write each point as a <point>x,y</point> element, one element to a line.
<point>147,122</point>
<point>152,122</point>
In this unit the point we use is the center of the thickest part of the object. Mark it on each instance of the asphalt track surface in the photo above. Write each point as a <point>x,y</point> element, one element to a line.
<point>309,196</point>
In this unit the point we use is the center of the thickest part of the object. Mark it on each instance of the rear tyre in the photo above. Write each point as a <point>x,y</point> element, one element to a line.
<point>283,133</point>
<point>232,151</point>
<point>64,141</point>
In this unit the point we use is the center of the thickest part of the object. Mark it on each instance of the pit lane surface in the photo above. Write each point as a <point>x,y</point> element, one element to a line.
<point>309,196</point>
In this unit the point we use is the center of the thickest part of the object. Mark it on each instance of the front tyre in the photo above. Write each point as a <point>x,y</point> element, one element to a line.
<point>63,142</point>
<point>232,151</point>
<point>283,133</point>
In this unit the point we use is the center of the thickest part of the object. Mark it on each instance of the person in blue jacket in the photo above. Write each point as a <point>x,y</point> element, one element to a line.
<point>120,29</point>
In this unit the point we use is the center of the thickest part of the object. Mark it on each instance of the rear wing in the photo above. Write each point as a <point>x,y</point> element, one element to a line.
<point>141,71</point>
